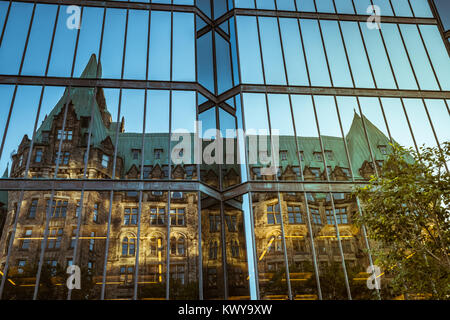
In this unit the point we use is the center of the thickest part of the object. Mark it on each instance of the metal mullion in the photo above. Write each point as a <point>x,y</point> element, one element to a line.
<point>30,150</point>
<point>141,175</point>
<point>288,281</point>
<point>331,196</point>
<point>169,163</point>
<point>251,228</point>
<point>113,176</point>
<point>5,22</point>
<point>87,152</point>
<point>393,74</point>
<point>55,174</point>
<point>222,219</point>
<point>345,142</point>
<point>436,15</point>
<point>357,98</point>
<point>197,168</point>
<point>324,159</point>
<point>308,213</point>
<point>316,273</point>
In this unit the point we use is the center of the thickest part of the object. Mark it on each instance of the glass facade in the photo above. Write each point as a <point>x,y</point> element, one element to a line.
<point>206,149</point>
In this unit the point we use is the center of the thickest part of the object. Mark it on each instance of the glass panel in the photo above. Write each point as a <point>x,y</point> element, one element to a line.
<point>314,53</point>
<point>293,52</point>
<point>136,53</point>
<point>249,53</point>
<point>419,58</point>
<point>399,57</point>
<point>271,51</point>
<point>113,42</point>
<point>357,55</point>
<point>339,68</point>
<point>183,47</point>
<point>15,35</point>
<point>160,59</point>
<point>39,42</point>
<point>378,58</point>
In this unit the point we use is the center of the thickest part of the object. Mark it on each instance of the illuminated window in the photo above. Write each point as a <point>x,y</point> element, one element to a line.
<point>156,246</point>
<point>273,214</point>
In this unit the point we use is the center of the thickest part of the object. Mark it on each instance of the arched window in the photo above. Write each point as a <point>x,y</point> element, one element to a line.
<point>156,246</point>
<point>177,246</point>
<point>213,250</point>
<point>181,249</point>
<point>173,245</point>
<point>234,249</point>
<point>128,247</point>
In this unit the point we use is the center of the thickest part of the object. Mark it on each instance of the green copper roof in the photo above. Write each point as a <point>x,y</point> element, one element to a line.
<point>82,99</point>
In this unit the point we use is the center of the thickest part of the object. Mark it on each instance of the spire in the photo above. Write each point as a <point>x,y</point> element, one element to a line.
<point>90,71</point>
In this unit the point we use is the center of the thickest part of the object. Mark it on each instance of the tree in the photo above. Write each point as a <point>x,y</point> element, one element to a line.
<point>406,213</point>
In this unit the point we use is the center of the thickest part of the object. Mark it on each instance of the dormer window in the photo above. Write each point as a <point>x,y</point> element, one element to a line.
<point>283,155</point>
<point>105,161</point>
<point>329,155</point>
<point>38,156</point>
<point>318,156</point>
<point>136,153</point>
<point>157,153</point>
<point>45,137</point>
<point>65,135</point>
<point>302,156</point>
<point>383,149</point>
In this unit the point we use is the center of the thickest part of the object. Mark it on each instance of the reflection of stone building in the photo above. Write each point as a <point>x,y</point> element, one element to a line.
<point>183,210</point>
